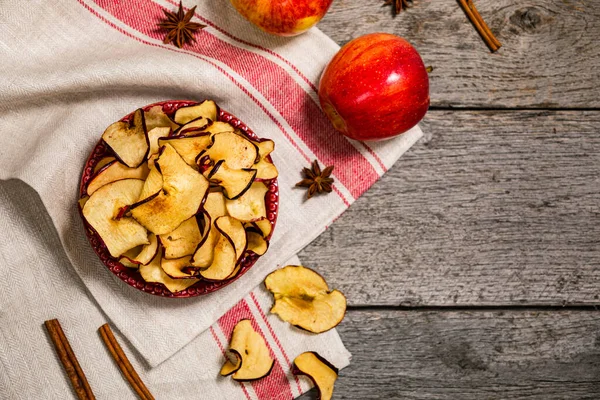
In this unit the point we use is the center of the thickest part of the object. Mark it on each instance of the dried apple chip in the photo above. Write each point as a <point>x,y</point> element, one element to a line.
<point>104,161</point>
<point>223,262</point>
<point>192,126</point>
<point>153,272</point>
<point>251,205</point>
<point>235,182</point>
<point>129,140</point>
<point>233,229</point>
<point>237,151</point>
<point>214,206</point>
<point>206,109</point>
<point>254,359</point>
<point>182,194</point>
<point>256,242</point>
<point>183,240</point>
<point>235,271</point>
<point>115,171</point>
<point>175,267</point>
<point>218,127</point>
<point>144,255</point>
<point>265,169</point>
<point>265,226</point>
<point>153,137</point>
<point>156,118</point>
<point>102,208</point>
<point>153,183</point>
<point>319,370</point>
<point>229,368</point>
<point>303,299</point>
<point>188,147</point>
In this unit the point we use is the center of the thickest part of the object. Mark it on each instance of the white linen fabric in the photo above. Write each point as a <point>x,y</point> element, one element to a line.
<point>69,70</point>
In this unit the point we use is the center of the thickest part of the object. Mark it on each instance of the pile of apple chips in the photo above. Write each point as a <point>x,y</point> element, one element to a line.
<point>181,199</point>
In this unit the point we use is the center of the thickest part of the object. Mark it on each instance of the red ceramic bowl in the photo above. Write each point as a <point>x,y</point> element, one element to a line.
<point>131,276</point>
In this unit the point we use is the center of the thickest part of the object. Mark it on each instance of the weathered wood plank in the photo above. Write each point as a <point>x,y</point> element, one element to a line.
<point>490,208</point>
<point>549,57</point>
<point>471,355</point>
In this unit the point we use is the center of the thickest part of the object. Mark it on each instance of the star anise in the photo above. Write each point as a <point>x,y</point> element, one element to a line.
<point>315,180</point>
<point>398,4</point>
<point>181,30</point>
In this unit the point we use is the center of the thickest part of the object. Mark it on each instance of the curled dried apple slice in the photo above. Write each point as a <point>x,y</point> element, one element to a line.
<point>250,206</point>
<point>265,169</point>
<point>319,370</point>
<point>223,262</point>
<point>303,299</point>
<point>256,242</point>
<point>103,162</point>
<point>214,207</point>
<point>153,137</point>
<point>156,118</point>
<point>153,183</point>
<point>218,127</point>
<point>265,226</point>
<point>183,240</point>
<point>229,367</point>
<point>234,229</point>
<point>115,171</point>
<point>175,267</point>
<point>235,271</point>
<point>237,151</point>
<point>253,355</point>
<point>129,140</point>
<point>188,147</point>
<point>153,272</point>
<point>125,259</point>
<point>102,208</point>
<point>145,254</point>
<point>183,191</point>
<point>194,125</point>
<point>207,109</point>
<point>235,182</point>
<point>262,226</point>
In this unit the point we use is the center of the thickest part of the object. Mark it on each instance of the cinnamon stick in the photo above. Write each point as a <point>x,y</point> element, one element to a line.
<point>69,360</point>
<point>116,351</point>
<point>482,28</point>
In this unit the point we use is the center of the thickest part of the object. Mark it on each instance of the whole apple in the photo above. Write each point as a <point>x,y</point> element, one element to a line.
<point>375,87</point>
<point>283,17</point>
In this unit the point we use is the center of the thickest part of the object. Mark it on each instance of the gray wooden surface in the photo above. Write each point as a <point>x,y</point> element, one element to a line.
<point>549,57</point>
<point>472,269</point>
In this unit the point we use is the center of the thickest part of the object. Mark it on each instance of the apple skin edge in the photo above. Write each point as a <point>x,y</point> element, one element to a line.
<point>298,371</point>
<point>376,87</point>
<point>283,17</point>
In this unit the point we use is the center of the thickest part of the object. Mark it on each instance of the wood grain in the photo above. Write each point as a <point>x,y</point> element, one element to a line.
<point>490,208</point>
<point>471,355</point>
<point>549,56</point>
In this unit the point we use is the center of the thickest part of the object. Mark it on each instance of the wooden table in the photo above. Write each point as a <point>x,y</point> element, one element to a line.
<point>472,268</point>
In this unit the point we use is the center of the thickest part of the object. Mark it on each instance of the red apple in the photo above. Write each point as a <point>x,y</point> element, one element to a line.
<point>283,17</point>
<point>375,87</point>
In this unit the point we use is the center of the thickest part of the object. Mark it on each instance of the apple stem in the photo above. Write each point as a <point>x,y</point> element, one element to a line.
<point>429,69</point>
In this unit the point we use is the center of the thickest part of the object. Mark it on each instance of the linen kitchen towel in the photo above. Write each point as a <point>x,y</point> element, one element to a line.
<point>36,284</point>
<point>71,68</point>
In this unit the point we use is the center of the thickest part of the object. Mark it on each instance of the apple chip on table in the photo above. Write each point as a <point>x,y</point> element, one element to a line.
<point>179,199</point>
<point>252,356</point>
